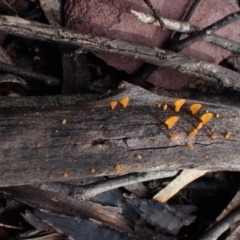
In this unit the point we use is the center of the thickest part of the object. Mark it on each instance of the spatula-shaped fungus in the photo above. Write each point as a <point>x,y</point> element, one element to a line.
<point>117,167</point>
<point>113,104</point>
<point>124,102</point>
<point>199,126</point>
<point>228,134</point>
<point>206,117</point>
<point>193,133</point>
<point>178,104</point>
<point>170,122</point>
<point>174,137</point>
<point>194,108</point>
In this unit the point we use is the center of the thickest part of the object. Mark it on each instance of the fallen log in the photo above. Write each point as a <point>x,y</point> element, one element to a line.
<point>96,141</point>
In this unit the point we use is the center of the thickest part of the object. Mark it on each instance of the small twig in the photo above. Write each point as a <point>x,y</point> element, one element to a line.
<point>186,18</point>
<point>10,226</point>
<point>8,7</point>
<point>185,27</point>
<point>148,2</point>
<point>222,226</point>
<point>233,17</point>
<point>26,73</point>
<point>90,190</point>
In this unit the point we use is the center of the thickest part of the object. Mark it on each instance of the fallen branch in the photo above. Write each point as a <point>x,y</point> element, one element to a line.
<point>90,190</point>
<point>37,147</point>
<point>162,58</point>
<point>29,74</point>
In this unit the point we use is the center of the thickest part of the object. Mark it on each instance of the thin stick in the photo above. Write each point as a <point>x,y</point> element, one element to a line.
<point>222,226</point>
<point>186,18</point>
<point>185,27</point>
<point>90,190</point>
<point>233,17</point>
<point>159,57</point>
<point>148,2</point>
<point>26,73</point>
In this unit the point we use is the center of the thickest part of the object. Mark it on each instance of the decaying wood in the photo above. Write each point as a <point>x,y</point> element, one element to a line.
<point>152,211</point>
<point>159,57</point>
<point>90,190</point>
<point>78,228</point>
<point>76,76</point>
<point>36,147</point>
<point>52,81</point>
<point>61,204</point>
<point>187,176</point>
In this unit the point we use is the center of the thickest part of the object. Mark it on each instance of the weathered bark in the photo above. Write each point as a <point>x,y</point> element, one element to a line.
<point>96,137</point>
<point>159,57</point>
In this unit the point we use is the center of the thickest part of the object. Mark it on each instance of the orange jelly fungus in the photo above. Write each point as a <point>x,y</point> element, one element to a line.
<point>199,126</point>
<point>124,102</point>
<point>228,134</point>
<point>38,144</point>
<point>206,156</point>
<point>174,137</point>
<point>189,144</point>
<point>193,133</point>
<point>206,117</point>
<point>64,121</point>
<point>113,104</point>
<point>194,108</point>
<point>170,122</point>
<point>154,141</point>
<point>159,105</point>
<point>139,166</point>
<point>92,170</point>
<point>178,104</point>
<point>217,115</point>
<point>214,136</point>
<point>118,167</point>
<point>65,175</point>
<point>165,107</point>
<point>138,156</point>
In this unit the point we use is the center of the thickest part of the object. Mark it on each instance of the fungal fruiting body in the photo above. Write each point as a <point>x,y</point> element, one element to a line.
<point>194,108</point>
<point>154,141</point>
<point>217,115</point>
<point>38,144</point>
<point>206,156</point>
<point>170,122</point>
<point>65,175</point>
<point>64,121</point>
<point>174,137</point>
<point>139,166</point>
<point>193,133</point>
<point>138,156</point>
<point>206,117</point>
<point>159,105</point>
<point>228,134</point>
<point>165,107</point>
<point>113,104</point>
<point>189,144</point>
<point>214,136</point>
<point>199,126</point>
<point>178,104</point>
<point>124,102</point>
<point>118,167</point>
<point>92,170</point>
